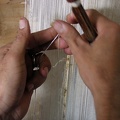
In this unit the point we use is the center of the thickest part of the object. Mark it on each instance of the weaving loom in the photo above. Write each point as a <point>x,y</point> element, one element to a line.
<point>63,96</point>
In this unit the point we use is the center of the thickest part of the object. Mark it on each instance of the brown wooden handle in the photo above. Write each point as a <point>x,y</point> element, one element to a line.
<point>88,29</point>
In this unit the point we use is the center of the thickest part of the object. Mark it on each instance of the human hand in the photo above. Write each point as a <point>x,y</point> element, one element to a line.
<point>16,84</point>
<point>98,62</point>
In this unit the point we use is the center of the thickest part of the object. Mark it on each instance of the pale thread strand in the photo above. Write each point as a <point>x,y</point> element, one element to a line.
<point>48,46</point>
<point>63,59</point>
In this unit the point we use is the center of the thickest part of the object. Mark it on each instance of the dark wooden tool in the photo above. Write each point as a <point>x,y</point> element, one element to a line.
<point>82,18</point>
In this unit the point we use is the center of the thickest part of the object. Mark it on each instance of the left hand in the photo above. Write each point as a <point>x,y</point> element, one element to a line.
<point>15,87</point>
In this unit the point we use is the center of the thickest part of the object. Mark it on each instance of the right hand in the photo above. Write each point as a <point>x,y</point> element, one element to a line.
<point>98,62</point>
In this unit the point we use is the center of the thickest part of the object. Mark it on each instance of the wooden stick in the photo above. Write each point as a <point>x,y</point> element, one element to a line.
<point>83,20</point>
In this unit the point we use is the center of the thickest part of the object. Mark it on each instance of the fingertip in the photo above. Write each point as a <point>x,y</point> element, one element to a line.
<point>70,18</point>
<point>68,51</point>
<point>62,27</point>
<point>45,65</point>
<point>60,43</point>
<point>58,26</point>
<point>71,37</point>
<point>24,24</point>
<point>44,71</point>
<point>20,43</point>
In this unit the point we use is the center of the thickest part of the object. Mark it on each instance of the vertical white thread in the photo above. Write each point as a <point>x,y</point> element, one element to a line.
<point>41,20</point>
<point>78,94</point>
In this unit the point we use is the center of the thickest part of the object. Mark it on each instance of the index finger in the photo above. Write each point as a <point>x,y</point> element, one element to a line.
<point>98,20</point>
<point>41,37</point>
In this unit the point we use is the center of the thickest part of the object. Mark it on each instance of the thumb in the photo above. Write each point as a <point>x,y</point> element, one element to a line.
<point>70,35</point>
<point>20,44</point>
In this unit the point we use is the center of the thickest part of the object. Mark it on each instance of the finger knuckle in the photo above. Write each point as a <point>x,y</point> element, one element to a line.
<point>21,36</point>
<point>91,12</point>
<point>114,29</point>
<point>11,56</point>
<point>52,33</point>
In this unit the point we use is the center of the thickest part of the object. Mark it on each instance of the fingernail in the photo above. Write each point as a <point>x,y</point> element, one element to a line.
<point>58,26</point>
<point>22,24</point>
<point>57,23</point>
<point>30,87</point>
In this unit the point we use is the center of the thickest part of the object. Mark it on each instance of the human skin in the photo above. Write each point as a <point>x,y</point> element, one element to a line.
<point>16,82</point>
<point>98,62</point>
<point>98,65</point>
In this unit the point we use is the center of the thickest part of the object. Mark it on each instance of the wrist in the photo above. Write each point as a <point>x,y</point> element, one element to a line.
<point>4,109</point>
<point>1,106</point>
<point>107,107</point>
